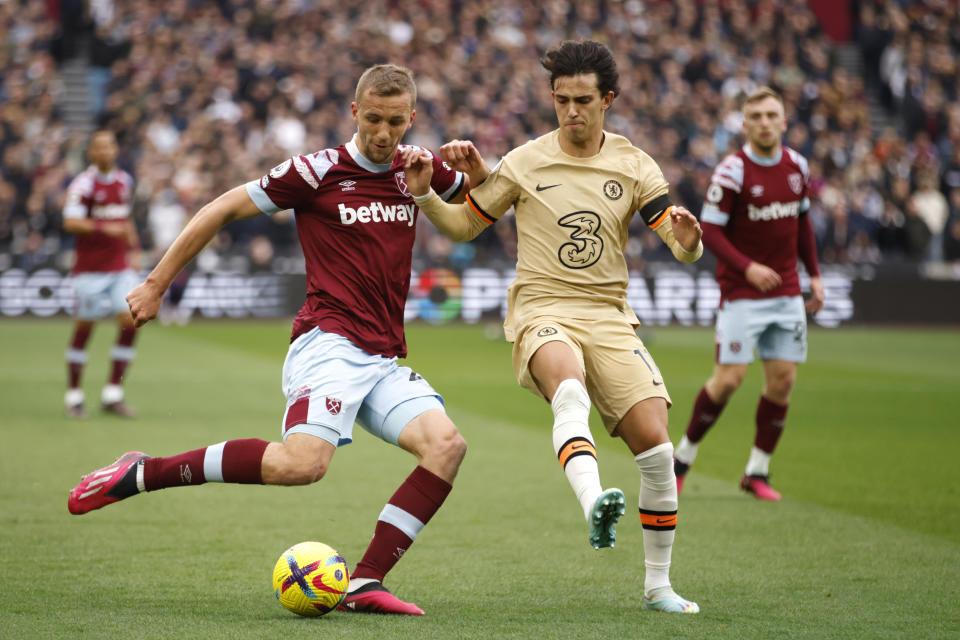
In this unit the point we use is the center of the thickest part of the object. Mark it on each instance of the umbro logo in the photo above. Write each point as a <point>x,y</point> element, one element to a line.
<point>549,186</point>
<point>347,185</point>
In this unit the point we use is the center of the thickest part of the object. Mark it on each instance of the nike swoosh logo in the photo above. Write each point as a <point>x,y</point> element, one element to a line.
<point>657,384</point>
<point>549,186</point>
<point>580,446</point>
<point>660,521</point>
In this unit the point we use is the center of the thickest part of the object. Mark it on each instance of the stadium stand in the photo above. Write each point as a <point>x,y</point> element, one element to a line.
<point>205,95</point>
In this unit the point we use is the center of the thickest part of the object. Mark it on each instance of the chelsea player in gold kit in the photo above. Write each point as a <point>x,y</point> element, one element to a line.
<point>574,192</point>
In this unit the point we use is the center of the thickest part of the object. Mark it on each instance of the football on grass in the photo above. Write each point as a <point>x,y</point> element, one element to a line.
<point>310,578</point>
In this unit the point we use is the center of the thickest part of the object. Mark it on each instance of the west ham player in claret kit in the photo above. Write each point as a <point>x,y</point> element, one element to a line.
<point>356,221</point>
<point>755,222</point>
<point>97,213</point>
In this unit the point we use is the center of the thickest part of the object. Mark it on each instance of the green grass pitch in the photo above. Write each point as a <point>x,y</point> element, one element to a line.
<point>866,543</point>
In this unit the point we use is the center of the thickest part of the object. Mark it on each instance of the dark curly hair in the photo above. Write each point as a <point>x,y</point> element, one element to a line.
<point>570,58</point>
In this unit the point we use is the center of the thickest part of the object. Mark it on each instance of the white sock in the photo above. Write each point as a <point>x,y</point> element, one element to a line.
<point>111,393</point>
<point>759,463</point>
<point>573,443</point>
<point>686,451</point>
<point>356,583</point>
<point>73,397</point>
<point>658,513</point>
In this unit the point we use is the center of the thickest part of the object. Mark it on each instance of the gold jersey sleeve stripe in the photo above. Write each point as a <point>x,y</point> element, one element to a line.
<point>486,217</point>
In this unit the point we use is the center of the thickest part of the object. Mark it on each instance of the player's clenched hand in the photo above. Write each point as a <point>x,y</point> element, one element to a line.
<point>815,302</point>
<point>418,169</point>
<point>686,229</point>
<point>762,277</point>
<point>144,301</point>
<point>462,156</point>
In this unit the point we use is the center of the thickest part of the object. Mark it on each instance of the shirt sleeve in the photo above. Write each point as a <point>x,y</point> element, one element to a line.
<point>287,186</point>
<point>446,182</point>
<point>725,186</point>
<point>651,198</point>
<point>491,199</point>
<point>78,197</point>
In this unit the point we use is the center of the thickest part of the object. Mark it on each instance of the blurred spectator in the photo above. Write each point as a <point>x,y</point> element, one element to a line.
<point>931,206</point>
<point>202,94</point>
<point>916,233</point>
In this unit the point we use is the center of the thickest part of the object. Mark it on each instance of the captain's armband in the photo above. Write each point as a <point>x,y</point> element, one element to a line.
<point>657,211</point>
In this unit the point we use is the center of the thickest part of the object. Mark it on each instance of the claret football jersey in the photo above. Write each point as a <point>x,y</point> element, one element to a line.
<point>100,196</point>
<point>356,221</point>
<point>758,202</point>
<point>572,219</point>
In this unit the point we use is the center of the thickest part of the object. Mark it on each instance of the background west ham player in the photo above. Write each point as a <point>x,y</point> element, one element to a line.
<point>755,222</point>
<point>356,222</point>
<point>97,212</point>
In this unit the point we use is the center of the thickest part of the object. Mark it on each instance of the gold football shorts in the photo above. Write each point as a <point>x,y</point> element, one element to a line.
<point>618,369</point>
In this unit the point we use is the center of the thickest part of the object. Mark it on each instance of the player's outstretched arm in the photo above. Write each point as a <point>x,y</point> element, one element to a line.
<point>144,300</point>
<point>456,221</point>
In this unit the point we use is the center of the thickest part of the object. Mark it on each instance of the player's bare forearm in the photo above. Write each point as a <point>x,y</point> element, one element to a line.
<point>80,226</point>
<point>233,205</point>
<point>202,228</point>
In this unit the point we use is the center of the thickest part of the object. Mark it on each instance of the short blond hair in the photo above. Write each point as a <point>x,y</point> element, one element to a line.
<point>761,93</point>
<point>387,80</point>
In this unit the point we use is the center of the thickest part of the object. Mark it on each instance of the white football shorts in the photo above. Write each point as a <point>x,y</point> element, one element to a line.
<point>103,293</point>
<point>330,383</point>
<point>775,327</point>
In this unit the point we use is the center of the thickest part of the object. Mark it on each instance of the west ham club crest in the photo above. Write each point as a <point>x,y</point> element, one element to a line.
<point>401,179</point>
<point>795,180</point>
<point>333,405</point>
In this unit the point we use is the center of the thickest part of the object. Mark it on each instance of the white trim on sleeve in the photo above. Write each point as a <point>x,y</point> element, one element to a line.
<point>710,213</point>
<point>260,198</point>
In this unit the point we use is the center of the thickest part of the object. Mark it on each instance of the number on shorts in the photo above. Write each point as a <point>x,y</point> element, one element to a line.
<point>654,370</point>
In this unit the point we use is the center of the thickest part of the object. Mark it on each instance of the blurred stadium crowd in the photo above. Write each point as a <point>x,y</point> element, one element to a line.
<point>206,95</point>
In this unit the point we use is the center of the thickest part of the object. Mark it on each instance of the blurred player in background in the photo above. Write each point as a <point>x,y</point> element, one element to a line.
<point>755,222</point>
<point>575,191</point>
<point>356,221</point>
<point>97,212</point>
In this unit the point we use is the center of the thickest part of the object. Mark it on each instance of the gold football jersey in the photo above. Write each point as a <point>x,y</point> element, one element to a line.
<point>572,217</point>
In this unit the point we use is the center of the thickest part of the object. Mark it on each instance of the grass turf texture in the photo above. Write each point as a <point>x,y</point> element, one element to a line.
<point>866,542</point>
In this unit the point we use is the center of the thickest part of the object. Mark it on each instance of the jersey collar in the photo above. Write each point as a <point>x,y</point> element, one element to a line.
<point>109,176</point>
<point>362,160</point>
<point>762,161</point>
